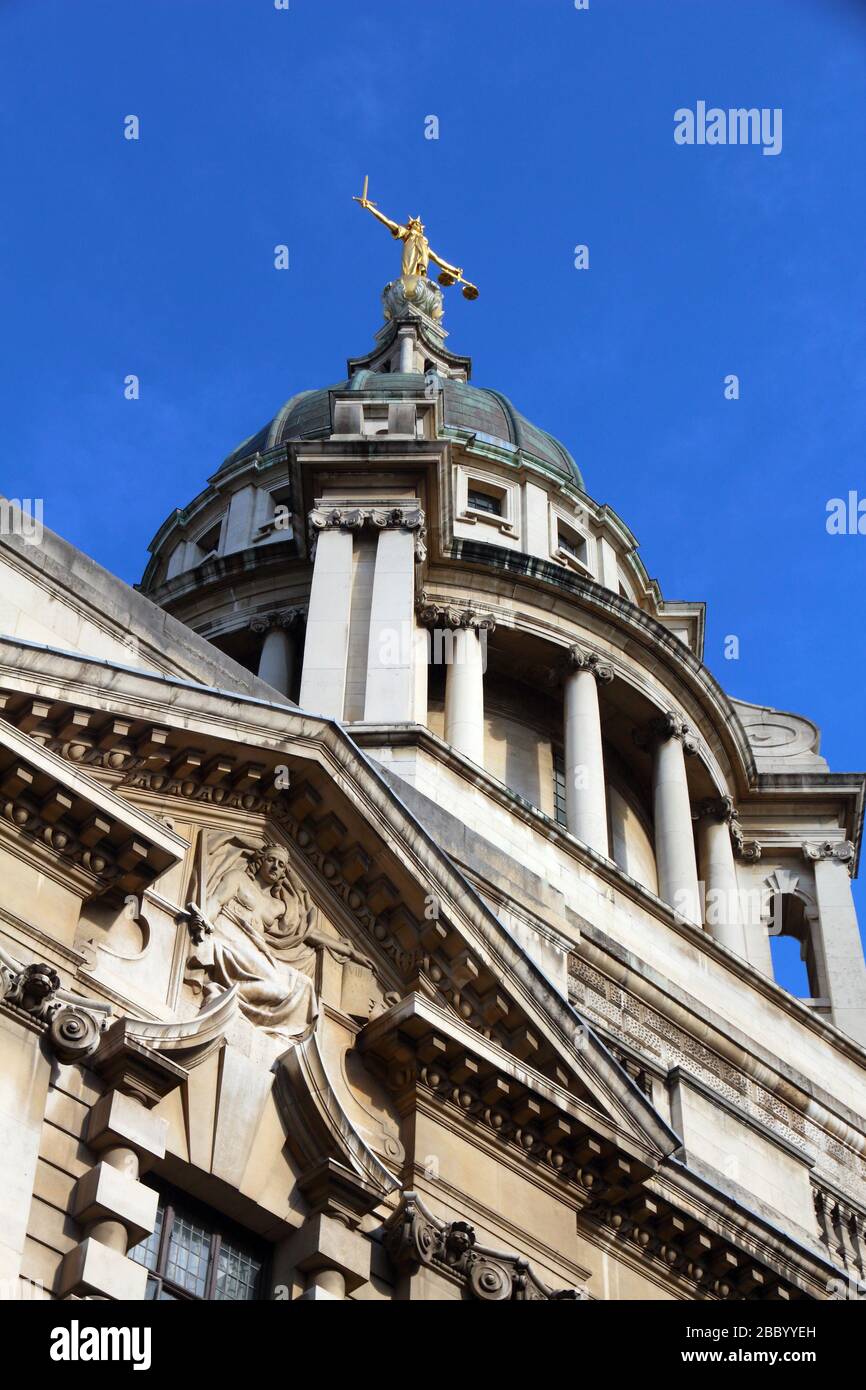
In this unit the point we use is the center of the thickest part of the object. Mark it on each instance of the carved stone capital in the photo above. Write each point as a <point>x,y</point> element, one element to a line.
<point>287,618</point>
<point>580,659</point>
<point>447,615</point>
<point>408,517</point>
<point>665,726</point>
<point>718,808</point>
<point>74,1026</point>
<point>842,851</point>
<point>415,1237</point>
<point>747,850</point>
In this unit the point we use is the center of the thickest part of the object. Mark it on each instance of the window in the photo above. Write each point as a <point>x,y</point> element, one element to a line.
<point>484,502</point>
<point>571,543</point>
<point>559,786</point>
<point>209,542</point>
<point>195,1254</point>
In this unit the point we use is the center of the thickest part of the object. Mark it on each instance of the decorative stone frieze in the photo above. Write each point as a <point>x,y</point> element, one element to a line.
<point>667,1045</point>
<point>580,659</point>
<point>415,1237</point>
<point>353,518</point>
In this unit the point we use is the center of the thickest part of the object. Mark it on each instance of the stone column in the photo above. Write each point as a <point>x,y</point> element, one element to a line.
<point>459,638</point>
<point>323,680</point>
<point>585,796</point>
<point>719,874</point>
<point>842,952</point>
<point>390,693</point>
<point>277,659</point>
<point>668,737</point>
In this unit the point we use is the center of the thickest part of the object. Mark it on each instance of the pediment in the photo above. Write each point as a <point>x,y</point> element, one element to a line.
<point>439,962</point>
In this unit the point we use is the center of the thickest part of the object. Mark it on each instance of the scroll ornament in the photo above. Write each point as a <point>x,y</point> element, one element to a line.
<point>415,1237</point>
<point>75,1026</point>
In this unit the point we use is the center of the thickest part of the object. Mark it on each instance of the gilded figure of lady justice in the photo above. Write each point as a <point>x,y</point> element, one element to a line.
<point>417,251</point>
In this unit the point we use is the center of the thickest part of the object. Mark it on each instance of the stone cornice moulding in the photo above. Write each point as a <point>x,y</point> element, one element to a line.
<point>77,821</point>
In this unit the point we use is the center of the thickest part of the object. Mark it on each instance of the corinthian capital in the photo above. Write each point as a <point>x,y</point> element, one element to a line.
<point>580,659</point>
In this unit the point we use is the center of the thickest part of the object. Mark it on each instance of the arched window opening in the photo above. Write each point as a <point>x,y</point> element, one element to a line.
<point>792,948</point>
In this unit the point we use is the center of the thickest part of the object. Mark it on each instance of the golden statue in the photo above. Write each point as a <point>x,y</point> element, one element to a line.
<point>417,252</point>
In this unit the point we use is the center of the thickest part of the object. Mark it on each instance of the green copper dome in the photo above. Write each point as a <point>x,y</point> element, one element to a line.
<point>471,409</point>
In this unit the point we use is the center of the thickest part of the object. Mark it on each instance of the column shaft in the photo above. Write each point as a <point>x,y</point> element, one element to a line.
<point>674,839</point>
<point>585,797</point>
<point>277,661</point>
<point>390,687</point>
<point>464,695</point>
<point>842,948</point>
<point>721,886</point>
<point>323,681</point>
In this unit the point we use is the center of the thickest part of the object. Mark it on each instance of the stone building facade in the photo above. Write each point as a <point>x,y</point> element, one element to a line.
<point>388,893</point>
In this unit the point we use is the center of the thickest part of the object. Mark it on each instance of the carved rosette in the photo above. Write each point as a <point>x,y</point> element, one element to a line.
<point>414,1237</point>
<point>665,726</point>
<point>580,659</point>
<point>74,1026</point>
<point>406,518</point>
<point>840,851</point>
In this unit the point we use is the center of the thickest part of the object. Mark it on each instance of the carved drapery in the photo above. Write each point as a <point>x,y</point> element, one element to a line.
<point>254,928</point>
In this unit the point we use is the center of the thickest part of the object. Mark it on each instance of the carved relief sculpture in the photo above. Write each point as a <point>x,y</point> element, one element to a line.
<point>256,930</point>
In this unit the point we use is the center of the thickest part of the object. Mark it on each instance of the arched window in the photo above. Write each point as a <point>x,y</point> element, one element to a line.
<point>795,967</point>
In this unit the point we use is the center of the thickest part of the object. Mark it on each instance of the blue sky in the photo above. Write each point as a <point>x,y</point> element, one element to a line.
<point>155,257</point>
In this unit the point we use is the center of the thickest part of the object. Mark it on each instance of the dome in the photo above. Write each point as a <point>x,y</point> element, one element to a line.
<point>472,409</point>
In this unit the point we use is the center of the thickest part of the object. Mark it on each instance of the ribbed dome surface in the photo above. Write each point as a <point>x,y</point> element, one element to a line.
<point>473,408</point>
